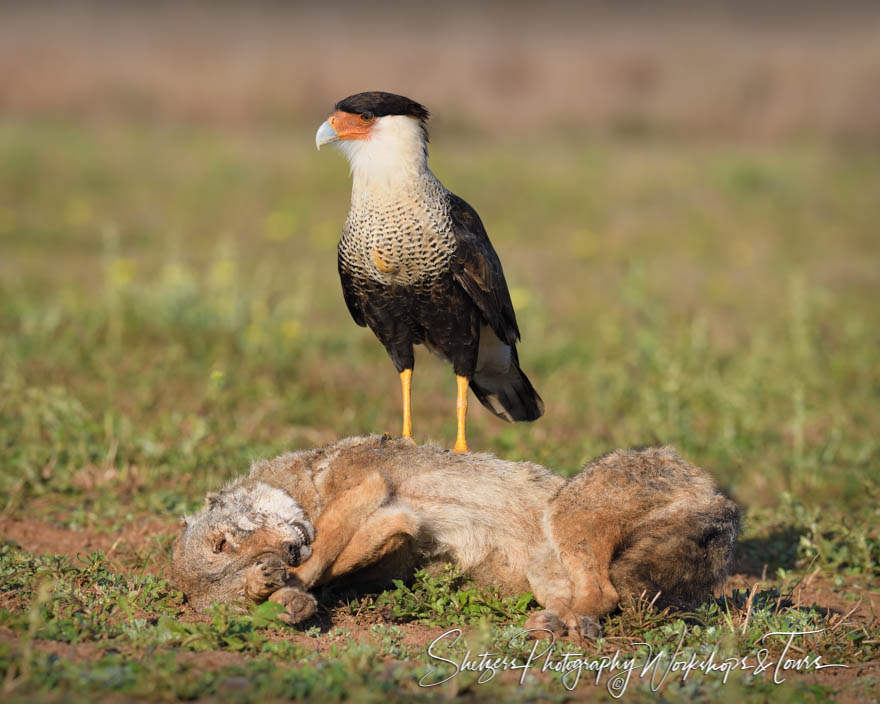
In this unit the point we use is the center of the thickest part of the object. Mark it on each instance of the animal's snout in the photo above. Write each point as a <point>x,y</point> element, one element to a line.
<point>291,552</point>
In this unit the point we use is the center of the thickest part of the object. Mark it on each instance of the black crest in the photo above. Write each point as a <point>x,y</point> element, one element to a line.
<point>382,104</point>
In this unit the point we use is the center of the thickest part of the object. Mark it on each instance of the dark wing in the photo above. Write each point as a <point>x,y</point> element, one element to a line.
<point>350,294</point>
<point>476,267</point>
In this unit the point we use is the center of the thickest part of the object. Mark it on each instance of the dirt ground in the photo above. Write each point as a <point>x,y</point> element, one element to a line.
<point>41,537</point>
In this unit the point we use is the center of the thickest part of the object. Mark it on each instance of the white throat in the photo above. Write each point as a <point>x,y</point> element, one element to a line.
<point>394,155</point>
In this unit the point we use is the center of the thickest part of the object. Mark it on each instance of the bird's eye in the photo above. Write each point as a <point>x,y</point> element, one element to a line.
<point>367,116</point>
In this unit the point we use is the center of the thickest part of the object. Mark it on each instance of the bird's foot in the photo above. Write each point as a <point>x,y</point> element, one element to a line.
<point>389,436</point>
<point>460,446</point>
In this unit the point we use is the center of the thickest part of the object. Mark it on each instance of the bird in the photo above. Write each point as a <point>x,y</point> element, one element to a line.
<point>416,265</point>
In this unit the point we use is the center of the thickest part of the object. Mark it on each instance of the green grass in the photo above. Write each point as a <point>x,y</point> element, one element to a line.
<point>169,311</point>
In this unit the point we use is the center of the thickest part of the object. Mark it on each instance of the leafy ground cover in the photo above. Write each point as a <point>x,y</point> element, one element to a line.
<point>169,311</point>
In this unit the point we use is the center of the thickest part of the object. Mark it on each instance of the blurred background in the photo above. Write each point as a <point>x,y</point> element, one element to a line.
<point>684,197</point>
<point>744,69</point>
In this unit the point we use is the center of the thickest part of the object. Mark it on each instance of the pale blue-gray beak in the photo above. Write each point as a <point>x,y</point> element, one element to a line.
<point>325,134</point>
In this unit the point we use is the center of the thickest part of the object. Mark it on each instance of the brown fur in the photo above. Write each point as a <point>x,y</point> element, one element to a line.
<point>631,521</point>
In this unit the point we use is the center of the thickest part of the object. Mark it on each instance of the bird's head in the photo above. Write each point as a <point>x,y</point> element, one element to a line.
<point>381,133</point>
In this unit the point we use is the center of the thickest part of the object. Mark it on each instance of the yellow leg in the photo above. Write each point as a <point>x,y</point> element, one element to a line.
<point>405,384</point>
<point>461,414</point>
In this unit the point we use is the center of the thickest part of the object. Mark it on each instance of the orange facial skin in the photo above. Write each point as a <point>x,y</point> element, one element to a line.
<point>350,126</point>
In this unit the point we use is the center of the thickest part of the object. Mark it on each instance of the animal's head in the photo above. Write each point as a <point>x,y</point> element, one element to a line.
<point>383,135</point>
<point>239,546</point>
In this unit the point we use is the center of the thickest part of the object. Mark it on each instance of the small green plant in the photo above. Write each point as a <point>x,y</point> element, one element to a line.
<point>447,598</point>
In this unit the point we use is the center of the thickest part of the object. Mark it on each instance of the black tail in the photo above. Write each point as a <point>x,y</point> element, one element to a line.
<point>510,396</point>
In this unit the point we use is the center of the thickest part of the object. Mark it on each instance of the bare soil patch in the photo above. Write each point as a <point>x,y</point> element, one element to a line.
<point>135,540</point>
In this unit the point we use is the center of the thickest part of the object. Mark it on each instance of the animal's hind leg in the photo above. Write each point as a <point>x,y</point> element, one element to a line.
<point>585,540</point>
<point>551,587</point>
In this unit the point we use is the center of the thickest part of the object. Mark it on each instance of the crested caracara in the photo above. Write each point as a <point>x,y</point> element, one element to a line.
<point>416,264</point>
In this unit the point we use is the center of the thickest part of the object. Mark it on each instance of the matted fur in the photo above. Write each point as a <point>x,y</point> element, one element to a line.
<point>632,520</point>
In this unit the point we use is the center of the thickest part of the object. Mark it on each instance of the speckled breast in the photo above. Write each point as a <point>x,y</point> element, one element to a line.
<point>401,239</point>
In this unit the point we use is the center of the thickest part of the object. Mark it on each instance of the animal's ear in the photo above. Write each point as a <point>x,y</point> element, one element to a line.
<point>218,542</point>
<point>183,522</point>
<point>211,500</point>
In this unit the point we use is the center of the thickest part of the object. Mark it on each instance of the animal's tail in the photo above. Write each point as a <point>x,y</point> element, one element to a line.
<point>684,560</point>
<point>509,395</point>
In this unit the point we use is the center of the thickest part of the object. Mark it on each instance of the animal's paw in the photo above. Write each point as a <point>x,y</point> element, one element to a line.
<point>265,576</point>
<point>543,623</point>
<point>298,605</point>
<point>584,626</point>
<point>272,571</point>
